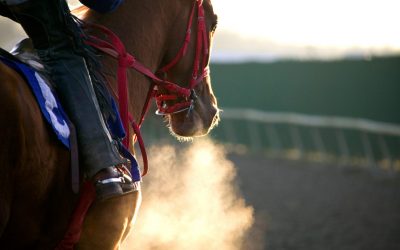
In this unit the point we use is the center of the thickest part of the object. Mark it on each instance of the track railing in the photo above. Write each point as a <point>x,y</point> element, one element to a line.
<point>353,141</point>
<point>343,140</point>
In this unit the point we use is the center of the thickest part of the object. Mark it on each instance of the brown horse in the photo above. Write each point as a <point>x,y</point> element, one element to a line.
<point>36,201</point>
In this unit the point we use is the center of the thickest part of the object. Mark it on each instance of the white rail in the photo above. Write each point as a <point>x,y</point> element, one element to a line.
<point>372,138</point>
<point>311,120</point>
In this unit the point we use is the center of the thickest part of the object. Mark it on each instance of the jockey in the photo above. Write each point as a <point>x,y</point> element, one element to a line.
<point>54,35</point>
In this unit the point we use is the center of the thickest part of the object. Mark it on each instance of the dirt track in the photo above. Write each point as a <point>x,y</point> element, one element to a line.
<point>311,206</point>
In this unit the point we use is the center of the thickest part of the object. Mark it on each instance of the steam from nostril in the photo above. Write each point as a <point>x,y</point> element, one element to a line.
<point>190,201</point>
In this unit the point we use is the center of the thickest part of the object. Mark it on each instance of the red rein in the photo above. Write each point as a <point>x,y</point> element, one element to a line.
<point>182,95</point>
<point>116,49</point>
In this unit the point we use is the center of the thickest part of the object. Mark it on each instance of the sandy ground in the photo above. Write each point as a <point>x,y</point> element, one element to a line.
<point>313,206</point>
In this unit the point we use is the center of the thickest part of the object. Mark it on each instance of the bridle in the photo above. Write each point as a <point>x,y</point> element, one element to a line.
<point>200,71</point>
<point>183,97</point>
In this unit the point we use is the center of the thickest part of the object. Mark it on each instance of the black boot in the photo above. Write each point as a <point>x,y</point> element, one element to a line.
<point>114,182</point>
<point>49,25</point>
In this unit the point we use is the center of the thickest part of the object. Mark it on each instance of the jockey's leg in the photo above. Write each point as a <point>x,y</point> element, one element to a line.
<point>47,23</point>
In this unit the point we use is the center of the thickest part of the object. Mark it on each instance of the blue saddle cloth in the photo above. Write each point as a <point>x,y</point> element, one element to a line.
<point>47,100</point>
<point>56,117</point>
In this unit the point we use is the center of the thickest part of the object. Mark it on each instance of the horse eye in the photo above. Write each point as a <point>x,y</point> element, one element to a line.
<point>214,26</point>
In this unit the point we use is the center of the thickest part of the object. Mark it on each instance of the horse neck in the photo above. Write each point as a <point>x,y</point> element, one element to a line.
<point>143,28</point>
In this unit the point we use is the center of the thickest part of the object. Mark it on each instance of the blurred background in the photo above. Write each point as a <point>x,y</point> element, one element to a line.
<point>311,119</point>
<point>311,97</point>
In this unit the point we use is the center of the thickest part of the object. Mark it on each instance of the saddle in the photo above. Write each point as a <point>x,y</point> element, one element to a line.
<point>24,61</point>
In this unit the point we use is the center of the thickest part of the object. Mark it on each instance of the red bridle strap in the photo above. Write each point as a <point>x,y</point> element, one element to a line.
<point>202,43</point>
<point>201,51</point>
<point>116,49</point>
<point>186,42</point>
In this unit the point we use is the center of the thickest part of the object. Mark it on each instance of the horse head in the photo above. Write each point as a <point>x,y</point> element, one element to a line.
<point>187,64</point>
<point>173,40</point>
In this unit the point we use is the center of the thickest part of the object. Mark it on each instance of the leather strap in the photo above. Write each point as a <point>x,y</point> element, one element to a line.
<point>74,156</point>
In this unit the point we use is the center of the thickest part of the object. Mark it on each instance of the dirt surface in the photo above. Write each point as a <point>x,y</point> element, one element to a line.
<point>314,206</point>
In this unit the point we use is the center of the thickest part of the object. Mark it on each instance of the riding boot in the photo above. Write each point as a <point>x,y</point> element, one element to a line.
<point>47,23</point>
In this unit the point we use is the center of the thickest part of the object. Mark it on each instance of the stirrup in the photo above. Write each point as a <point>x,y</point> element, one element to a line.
<point>114,182</point>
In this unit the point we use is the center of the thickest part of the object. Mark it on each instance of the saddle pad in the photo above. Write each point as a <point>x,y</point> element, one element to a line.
<point>48,102</point>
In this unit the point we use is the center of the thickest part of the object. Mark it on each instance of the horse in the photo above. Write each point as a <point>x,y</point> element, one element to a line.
<point>36,199</point>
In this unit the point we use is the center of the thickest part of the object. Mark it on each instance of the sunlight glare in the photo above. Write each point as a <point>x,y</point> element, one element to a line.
<point>342,23</point>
